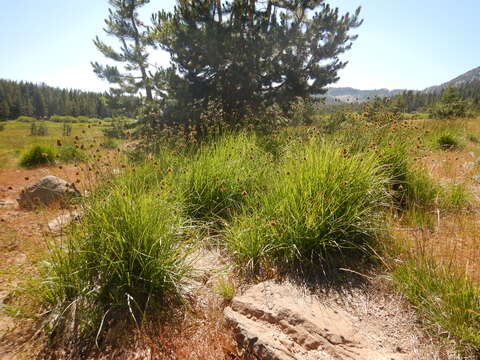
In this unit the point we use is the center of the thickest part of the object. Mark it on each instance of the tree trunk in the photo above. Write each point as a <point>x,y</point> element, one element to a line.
<point>252,10</point>
<point>141,65</point>
<point>219,10</point>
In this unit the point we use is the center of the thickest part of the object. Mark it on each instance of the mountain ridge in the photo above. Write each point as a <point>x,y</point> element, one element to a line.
<point>349,94</point>
<point>466,77</point>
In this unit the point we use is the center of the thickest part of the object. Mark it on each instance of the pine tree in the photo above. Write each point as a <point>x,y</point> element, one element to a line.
<point>450,95</point>
<point>246,53</point>
<point>39,105</point>
<point>22,98</point>
<point>124,24</point>
<point>4,110</point>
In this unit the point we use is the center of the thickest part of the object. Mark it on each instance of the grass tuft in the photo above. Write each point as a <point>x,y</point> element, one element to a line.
<point>456,197</point>
<point>109,143</point>
<point>226,289</point>
<point>126,257</point>
<point>322,201</point>
<point>38,155</point>
<point>221,177</point>
<point>70,153</point>
<point>473,138</point>
<point>448,142</point>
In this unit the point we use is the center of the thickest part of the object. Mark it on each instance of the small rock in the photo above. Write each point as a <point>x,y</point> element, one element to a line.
<point>59,223</point>
<point>7,202</point>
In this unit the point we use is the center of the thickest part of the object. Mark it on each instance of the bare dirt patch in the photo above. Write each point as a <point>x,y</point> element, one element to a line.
<point>22,244</point>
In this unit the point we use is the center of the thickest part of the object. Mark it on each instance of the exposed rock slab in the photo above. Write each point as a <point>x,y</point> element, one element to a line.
<point>60,222</point>
<point>7,203</point>
<point>48,190</point>
<point>280,322</point>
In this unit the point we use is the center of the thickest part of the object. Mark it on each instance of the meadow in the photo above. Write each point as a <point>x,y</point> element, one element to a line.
<point>16,136</point>
<point>385,196</point>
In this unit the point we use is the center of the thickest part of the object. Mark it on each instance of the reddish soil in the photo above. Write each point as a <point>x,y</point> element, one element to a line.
<point>22,243</point>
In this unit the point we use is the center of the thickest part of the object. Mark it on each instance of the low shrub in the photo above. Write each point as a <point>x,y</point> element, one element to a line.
<point>26,119</point>
<point>302,111</point>
<point>443,111</point>
<point>2,127</point>
<point>117,127</point>
<point>125,258</point>
<point>72,119</point>
<point>322,201</point>
<point>63,119</point>
<point>339,120</point>
<point>38,155</point>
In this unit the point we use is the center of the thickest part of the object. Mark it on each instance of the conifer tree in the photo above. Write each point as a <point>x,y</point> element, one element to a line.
<point>250,52</point>
<point>40,100</point>
<point>4,110</point>
<point>124,24</point>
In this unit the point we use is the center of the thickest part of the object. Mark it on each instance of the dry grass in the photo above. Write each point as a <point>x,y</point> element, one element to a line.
<point>196,334</point>
<point>454,242</point>
<point>452,166</point>
<point>453,237</point>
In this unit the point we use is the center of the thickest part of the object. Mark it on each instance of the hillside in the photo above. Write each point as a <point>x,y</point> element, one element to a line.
<point>467,77</point>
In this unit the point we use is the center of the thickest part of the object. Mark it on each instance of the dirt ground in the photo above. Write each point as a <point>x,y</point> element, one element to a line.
<point>23,235</point>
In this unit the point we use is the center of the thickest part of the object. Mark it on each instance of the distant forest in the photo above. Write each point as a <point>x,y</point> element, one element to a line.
<point>40,101</point>
<point>411,101</point>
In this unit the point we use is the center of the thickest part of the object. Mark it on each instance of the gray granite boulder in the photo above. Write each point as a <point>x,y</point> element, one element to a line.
<point>47,191</point>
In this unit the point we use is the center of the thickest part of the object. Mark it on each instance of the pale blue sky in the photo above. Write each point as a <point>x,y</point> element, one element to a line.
<point>402,43</point>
